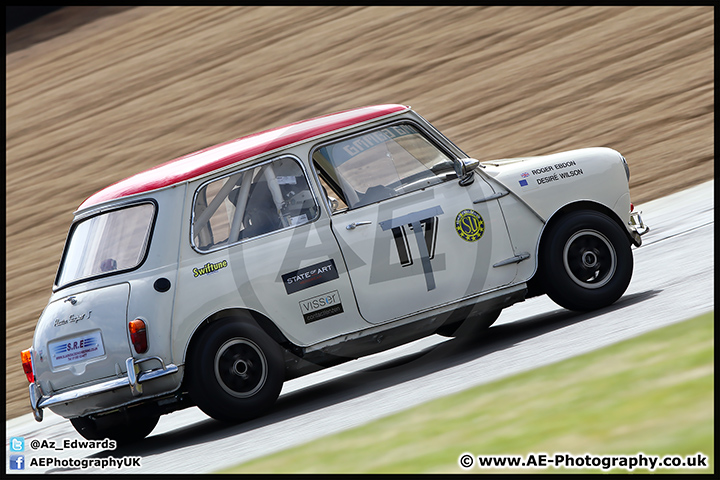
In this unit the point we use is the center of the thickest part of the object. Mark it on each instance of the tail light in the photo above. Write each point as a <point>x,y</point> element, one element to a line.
<point>632,207</point>
<point>138,335</point>
<point>26,356</point>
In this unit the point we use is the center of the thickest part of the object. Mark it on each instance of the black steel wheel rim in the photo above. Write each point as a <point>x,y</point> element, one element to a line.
<point>590,259</point>
<point>241,368</point>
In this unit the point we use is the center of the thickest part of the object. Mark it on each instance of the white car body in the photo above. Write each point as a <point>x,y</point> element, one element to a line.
<point>326,284</point>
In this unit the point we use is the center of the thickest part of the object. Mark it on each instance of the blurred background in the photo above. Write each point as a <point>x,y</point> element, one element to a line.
<point>17,16</point>
<point>96,94</point>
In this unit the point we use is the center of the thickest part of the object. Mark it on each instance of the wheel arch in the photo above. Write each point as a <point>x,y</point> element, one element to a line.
<point>217,394</point>
<point>535,284</point>
<point>241,315</point>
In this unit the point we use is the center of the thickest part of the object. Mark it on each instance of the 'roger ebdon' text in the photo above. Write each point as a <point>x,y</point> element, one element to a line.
<point>554,177</point>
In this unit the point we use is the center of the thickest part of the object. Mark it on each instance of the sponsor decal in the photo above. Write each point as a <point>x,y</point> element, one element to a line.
<point>76,349</point>
<point>469,225</point>
<point>321,306</point>
<point>209,268</point>
<point>310,276</point>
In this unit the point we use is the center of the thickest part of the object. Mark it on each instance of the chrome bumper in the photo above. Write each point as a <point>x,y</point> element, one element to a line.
<point>134,379</point>
<point>637,228</point>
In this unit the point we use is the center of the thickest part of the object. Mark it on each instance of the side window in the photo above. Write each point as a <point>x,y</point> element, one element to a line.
<point>112,241</point>
<point>252,202</point>
<point>380,164</point>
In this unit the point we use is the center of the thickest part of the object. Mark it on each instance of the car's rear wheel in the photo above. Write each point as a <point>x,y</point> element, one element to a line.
<point>586,261</point>
<point>236,372</point>
<point>123,427</point>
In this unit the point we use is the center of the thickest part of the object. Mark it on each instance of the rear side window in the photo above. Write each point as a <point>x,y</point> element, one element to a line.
<point>111,242</point>
<point>250,203</point>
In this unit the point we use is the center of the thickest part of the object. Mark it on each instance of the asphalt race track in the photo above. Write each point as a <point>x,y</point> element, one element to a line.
<point>673,281</point>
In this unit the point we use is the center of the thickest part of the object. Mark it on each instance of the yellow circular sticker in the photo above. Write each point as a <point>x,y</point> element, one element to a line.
<point>469,225</point>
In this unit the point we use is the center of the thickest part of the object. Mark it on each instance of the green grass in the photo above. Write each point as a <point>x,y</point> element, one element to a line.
<point>651,394</point>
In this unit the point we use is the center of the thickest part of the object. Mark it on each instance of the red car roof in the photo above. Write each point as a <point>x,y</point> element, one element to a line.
<point>212,158</point>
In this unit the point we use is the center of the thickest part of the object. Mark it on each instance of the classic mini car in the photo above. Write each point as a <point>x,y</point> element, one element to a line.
<point>213,278</point>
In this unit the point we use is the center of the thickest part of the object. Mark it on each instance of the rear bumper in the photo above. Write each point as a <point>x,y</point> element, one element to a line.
<point>637,228</point>
<point>134,380</point>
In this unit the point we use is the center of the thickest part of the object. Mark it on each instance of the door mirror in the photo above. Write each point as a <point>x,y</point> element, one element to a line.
<point>466,168</point>
<point>467,165</point>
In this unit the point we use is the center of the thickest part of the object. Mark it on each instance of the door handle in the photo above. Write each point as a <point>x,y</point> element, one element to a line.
<point>357,224</point>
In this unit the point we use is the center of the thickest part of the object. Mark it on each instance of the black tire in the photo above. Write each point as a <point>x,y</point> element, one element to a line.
<point>585,261</point>
<point>236,372</point>
<point>122,427</point>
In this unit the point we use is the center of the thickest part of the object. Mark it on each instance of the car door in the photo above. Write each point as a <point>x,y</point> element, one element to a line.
<point>260,243</point>
<point>411,236</point>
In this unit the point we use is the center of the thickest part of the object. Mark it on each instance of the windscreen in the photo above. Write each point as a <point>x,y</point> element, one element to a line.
<point>382,163</point>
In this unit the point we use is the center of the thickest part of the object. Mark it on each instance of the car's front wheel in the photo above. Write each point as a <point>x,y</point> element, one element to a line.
<point>586,261</point>
<point>236,372</point>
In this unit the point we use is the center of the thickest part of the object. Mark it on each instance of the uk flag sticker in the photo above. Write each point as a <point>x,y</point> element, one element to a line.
<point>524,175</point>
